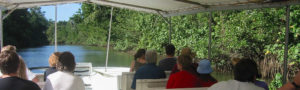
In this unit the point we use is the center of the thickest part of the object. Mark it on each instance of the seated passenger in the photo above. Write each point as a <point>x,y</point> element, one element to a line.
<point>24,72</point>
<point>168,63</point>
<point>9,64</point>
<point>262,84</point>
<point>139,60</point>
<point>149,70</point>
<point>183,78</point>
<point>52,63</point>
<point>64,79</point>
<point>245,72</point>
<point>188,52</point>
<point>204,69</point>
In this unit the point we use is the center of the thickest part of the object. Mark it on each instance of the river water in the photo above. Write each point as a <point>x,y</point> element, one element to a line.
<point>38,56</point>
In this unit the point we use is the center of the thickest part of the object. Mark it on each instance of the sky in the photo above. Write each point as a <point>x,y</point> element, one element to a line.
<point>64,11</point>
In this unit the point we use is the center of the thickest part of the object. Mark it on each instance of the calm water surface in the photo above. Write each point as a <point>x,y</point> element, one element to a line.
<point>38,56</point>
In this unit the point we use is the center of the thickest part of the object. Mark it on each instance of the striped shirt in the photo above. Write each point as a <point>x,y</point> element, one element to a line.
<point>167,64</point>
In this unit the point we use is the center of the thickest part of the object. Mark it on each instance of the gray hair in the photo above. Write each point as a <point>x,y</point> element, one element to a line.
<point>151,56</point>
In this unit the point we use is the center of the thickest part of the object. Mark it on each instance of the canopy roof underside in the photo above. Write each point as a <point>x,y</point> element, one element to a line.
<point>163,7</point>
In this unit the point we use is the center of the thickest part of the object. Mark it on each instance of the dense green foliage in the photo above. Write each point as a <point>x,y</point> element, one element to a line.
<point>253,33</point>
<point>25,28</point>
<point>276,82</point>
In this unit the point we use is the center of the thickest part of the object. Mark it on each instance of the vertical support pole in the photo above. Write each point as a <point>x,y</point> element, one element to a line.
<point>108,40</point>
<point>1,29</point>
<point>209,39</point>
<point>170,30</point>
<point>286,48</point>
<point>55,31</point>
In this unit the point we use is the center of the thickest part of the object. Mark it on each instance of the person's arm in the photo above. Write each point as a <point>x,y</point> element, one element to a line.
<point>288,86</point>
<point>133,84</point>
<point>132,66</point>
<point>295,85</point>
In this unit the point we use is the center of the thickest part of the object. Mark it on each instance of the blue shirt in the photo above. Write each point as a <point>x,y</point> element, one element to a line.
<point>148,71</point>
<point>167,64</point>
<point>261,84</point>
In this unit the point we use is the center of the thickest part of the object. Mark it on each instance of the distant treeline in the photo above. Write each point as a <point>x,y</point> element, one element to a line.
<point>25,28</point>
<point>257,33</point>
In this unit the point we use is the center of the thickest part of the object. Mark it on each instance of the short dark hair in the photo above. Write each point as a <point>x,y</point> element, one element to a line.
<point>245,70</point>
<point>185,61</point>
<point>66,62</point>
<point>170,49</point>
<point>9,62</point>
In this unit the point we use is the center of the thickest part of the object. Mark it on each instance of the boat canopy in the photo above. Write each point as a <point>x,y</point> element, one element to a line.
<point>165,8</point>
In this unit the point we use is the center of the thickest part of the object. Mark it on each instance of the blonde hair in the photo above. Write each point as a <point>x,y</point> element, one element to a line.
<point>53,59</point>
<point>9,48</point>
<point>151,56</point>
<point>22,70</point>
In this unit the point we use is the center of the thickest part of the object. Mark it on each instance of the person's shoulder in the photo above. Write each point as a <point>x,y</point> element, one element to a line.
<point>168,59</point>
<point>29,85</point>
<point>218,86</point>
<point>257,82</point>
<point>142,68</point>
<point>57,75</point>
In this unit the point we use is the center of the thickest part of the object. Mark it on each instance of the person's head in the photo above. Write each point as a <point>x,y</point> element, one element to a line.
<point>53,59</point>
<point>9,62</point>
<point>187,51</point>
<point>151,56</point>
<point>66,62</point>
<point>184,62</point>
<point>235,60</point>
<point>204,67</point>
<point>170,49</point>
<point>140,54</point>
<point>9,48</point>
<point>245,70</point>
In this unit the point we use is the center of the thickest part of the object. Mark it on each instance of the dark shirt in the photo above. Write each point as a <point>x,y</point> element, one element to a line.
<point>148,71</point>
<point>15,83</point>
<point>49,71</point>
<point>261,84</point>
<point>137,65</point>
<point>167,64</point>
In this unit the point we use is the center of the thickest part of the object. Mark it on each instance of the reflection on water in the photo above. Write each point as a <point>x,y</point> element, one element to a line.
<point>37,57</point>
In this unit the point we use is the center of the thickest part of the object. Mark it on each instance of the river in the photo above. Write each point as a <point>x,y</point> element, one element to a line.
<point>38,56</point>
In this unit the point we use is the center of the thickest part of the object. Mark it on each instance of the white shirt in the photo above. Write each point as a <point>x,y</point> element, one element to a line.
<point>63,81</point>
<point>234,85</point>
<point>30,75</point>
